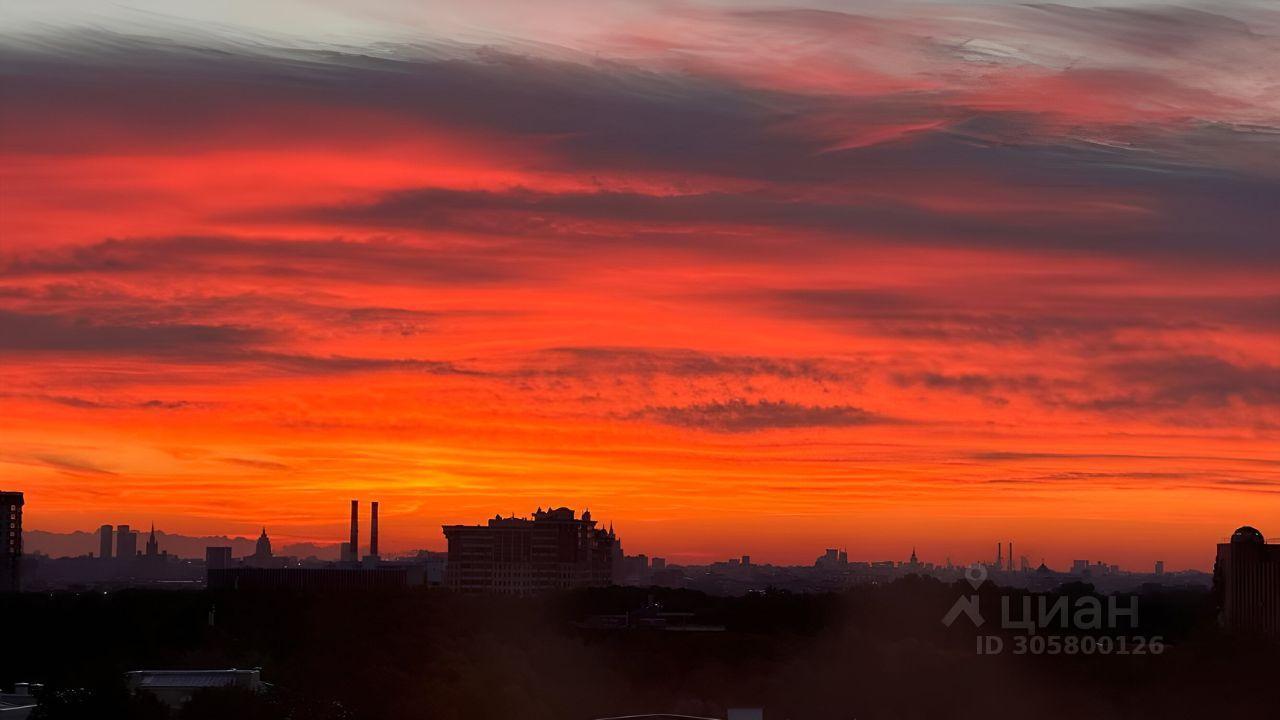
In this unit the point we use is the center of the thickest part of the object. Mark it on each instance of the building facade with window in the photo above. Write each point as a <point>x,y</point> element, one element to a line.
<point>1247,582</point>
<point>10,541</point>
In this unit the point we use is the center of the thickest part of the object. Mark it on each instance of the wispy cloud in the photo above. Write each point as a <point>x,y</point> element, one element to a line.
<point>740,415</point>
<point>903,257</point>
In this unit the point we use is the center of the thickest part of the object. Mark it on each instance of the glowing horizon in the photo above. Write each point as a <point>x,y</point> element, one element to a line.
<point>742,280</point>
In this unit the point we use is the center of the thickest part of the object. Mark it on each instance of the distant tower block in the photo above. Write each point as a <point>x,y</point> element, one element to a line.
<point>373,529</point>
<point>355,530</point>
<point>126,543</point>
<point>104,541</point>
<point>11,544</point>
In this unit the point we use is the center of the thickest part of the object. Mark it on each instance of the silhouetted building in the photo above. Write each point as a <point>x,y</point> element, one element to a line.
<point>106,536</point>
<point>1247,580</point>
<point>1159,567</point>
<point>263,551</point>
<point>153,564</point>
<point>217,558</point>
<point>555,550</point>
<point>262,556</point>
<point>126,543</point>
<point>327,579</point>
<point>355,532</point>
<point>433,566</point>
<point>831,559</point>
<point>631,569</point>
<point>373,530</point>
<point>153,547</point>
<point>10,541</point>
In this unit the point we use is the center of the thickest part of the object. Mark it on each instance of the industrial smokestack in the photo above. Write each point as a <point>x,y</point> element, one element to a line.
<point>355,530</point>
<point>1010,556</point>
<point>999,556</point>
<point>373,529</point>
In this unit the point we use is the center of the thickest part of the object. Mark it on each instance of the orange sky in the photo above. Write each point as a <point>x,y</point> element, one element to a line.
<point>756,282</point>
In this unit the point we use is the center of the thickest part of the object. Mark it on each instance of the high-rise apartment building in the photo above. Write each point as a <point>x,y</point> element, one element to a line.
<point>10,541</point>
<point>553,550</point>
<point>1246,577</point>
<point>218,558</point>
<point>105,537</point>
<point>126,543</point>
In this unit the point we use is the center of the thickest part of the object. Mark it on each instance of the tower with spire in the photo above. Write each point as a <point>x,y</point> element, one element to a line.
<point>263,551</point>
<point>153,547</point>
<point>262,556</point>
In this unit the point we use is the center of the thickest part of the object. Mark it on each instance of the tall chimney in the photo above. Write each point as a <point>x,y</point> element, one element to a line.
<point>999,556</point>
<point>373,529</point>
<point>1011,556</point>
<point>355,530</point>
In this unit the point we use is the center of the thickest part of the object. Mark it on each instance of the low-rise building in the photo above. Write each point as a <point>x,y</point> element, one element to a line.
<point>19,704</point>
<point>175,687</point>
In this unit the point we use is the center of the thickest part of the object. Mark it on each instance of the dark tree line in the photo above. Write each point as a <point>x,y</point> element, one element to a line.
<point>869,652</point>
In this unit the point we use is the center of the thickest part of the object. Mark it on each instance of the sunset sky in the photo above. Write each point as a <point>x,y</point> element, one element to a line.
<point>739,277</point>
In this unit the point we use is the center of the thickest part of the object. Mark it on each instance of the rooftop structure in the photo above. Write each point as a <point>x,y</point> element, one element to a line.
<point>19,704</point>
<point>175,687</point>
<point>1247,577</point>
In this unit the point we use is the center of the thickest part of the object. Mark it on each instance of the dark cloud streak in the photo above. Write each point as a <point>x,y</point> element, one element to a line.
<point>740,415</point>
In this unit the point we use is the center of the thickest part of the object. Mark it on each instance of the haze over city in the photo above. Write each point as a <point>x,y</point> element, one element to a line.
<point>738,278</point>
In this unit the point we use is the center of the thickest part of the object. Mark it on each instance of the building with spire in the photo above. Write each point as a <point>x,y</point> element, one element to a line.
<point>153,547</point>
<point>262,556</point>
<point>153,564</point>
<point>263,550</point>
